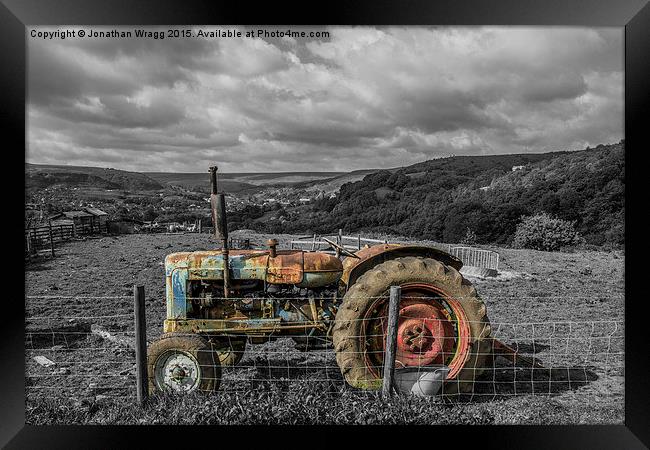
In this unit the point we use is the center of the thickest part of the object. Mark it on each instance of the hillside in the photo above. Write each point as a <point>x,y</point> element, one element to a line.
<point>331,185</point>
<point>198,181</point>
<point>38,176</point>
<point>240,182</point>
<point>441,199</point>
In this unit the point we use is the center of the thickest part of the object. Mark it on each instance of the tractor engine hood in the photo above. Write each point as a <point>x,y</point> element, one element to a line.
<point>302,269</point>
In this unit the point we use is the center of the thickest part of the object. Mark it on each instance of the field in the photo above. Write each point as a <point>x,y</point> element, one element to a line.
<point>538,297</point>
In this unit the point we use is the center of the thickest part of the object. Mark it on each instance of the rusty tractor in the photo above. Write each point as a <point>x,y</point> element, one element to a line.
<point>219,301</point>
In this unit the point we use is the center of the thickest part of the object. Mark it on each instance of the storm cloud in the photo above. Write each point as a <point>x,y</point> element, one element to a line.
<point>361,98</point>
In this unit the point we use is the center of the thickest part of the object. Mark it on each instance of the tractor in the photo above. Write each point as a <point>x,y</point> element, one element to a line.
<point>219,301</point>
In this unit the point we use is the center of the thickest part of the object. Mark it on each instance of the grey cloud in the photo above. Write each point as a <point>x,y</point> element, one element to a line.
<point>556,87</point>
<point>364,97</point>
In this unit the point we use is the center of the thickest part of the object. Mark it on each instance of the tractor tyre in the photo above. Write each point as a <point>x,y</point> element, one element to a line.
<point>442,321</point>
<point>231,351</point>
<point>180,362</point>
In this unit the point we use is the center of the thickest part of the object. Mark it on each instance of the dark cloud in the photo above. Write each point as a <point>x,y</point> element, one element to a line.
<point>364,97</point>
<point>556,86</point>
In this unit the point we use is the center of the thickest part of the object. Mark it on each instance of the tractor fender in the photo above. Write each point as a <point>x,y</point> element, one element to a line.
<point>369,257</point>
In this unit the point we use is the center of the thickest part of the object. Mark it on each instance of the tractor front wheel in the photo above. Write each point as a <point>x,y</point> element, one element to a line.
<point>180,362</point>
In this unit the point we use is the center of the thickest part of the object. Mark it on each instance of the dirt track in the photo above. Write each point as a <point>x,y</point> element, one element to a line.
<point>90,283</point>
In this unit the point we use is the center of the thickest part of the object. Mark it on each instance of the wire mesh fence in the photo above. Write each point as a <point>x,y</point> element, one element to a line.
<point>74,354</point>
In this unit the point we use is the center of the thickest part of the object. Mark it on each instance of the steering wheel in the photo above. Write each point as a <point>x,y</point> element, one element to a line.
<point>341,249</point>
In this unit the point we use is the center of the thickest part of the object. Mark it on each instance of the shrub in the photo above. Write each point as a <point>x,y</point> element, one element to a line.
<point>470,237</point>
<point>544,232</point>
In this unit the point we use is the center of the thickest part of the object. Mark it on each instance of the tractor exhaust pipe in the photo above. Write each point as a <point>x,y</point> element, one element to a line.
<point>220,224</point>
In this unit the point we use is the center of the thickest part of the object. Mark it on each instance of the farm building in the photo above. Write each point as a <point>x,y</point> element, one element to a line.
<point>100,217</point>
<point>86,220</point>
<point>61,222</point>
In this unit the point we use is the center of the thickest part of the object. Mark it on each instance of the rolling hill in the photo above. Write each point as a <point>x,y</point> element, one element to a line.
<point>444,198</point>
<point>240,182</point>
<point>333,184</point>
<point>441,199</point>
<point>38,176</point>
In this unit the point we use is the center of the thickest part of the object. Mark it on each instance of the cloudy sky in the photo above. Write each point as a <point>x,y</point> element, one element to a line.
<point>362,98</point>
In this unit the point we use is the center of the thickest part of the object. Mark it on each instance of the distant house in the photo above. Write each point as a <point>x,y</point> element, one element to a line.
<point>514,168</point>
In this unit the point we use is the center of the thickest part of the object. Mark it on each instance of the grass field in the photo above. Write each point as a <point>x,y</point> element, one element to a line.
<point>89,284</point>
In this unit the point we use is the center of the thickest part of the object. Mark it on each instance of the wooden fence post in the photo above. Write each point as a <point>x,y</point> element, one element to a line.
<point>359,242</point>
<point>49,222</point>
<point>142,382</point>
<point>339,238</point>
<point>391,341</point>
<point>200,227</point>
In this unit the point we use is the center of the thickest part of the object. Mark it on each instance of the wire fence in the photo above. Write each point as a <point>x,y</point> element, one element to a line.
<point>72,353</point>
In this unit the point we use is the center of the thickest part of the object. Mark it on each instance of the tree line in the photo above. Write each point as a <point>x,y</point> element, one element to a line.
<point>488,196</point>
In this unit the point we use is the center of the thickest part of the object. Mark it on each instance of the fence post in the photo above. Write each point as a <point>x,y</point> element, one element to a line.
<point>359,241</point>
<point>339,238</point>
<point>140,345</point>
<point>391,340</point>
<point>49,222</point>
<point>29,243</point>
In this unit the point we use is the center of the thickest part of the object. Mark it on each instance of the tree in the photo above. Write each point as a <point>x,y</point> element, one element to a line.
<point>149,214</point>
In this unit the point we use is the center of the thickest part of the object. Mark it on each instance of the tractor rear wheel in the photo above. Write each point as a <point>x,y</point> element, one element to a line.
<point>181,362</point>
<point>442,321</point>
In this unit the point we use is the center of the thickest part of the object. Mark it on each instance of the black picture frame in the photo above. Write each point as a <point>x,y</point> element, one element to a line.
<point>634,15</point>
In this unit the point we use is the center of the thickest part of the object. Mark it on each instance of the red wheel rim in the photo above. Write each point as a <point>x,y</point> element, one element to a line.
<point>432,329</point>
